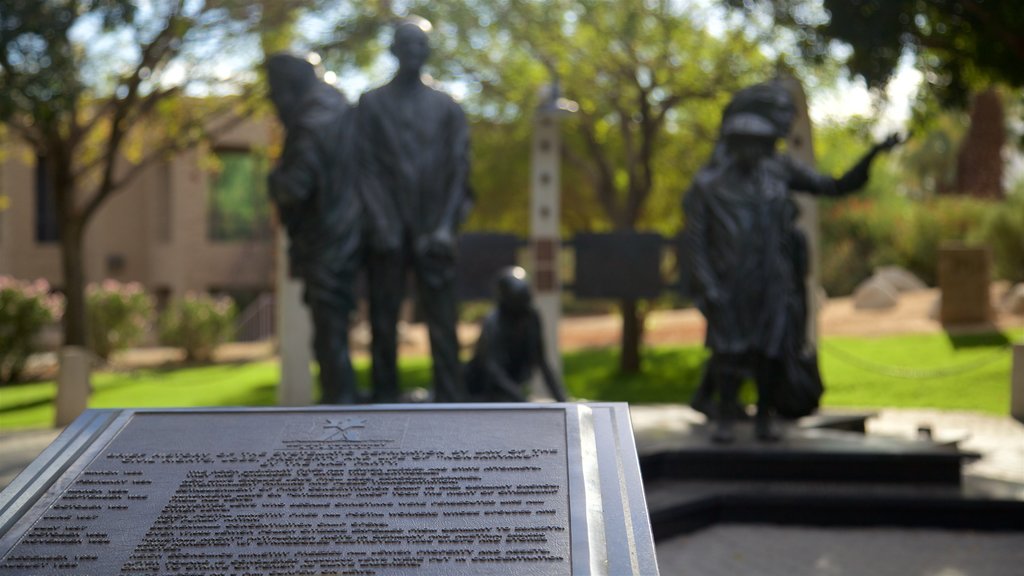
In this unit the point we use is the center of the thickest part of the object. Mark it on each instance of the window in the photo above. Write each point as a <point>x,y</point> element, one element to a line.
<point>46,204</point>
<point>238,207</point>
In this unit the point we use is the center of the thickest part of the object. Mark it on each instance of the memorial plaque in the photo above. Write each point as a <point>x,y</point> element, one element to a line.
<point>445,489</point>
<point>618,265</point>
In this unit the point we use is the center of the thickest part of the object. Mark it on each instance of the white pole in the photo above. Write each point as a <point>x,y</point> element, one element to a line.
<point>294,335</point>
<point>545,236</point>
<point>73,384</point>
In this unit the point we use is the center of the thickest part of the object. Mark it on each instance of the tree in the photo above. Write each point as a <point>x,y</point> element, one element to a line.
<point>963,48</point>
<point>650,80</point>
<point>959,44</point>
<point>103,89</point>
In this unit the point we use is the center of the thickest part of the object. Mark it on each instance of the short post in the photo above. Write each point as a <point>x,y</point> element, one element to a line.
<point>1017,383</point>
<point>73,383</point>
<point>545,218</point>
<point>294,335</point>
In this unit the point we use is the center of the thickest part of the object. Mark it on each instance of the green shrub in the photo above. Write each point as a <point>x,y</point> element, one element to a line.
<point>118,315</point>
<point>860,234</point>
<point>25,308</point>
<point>1004,232</point>
<point>198,323</point>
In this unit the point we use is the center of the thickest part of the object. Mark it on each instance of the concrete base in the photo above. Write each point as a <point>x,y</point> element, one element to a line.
<point>73,385</point>
<point>1017,383</point>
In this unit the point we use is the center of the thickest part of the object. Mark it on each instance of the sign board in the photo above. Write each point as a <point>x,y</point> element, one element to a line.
<point>435,489</point>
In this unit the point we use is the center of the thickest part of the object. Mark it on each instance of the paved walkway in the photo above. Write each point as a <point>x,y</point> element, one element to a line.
<point>761,550</point>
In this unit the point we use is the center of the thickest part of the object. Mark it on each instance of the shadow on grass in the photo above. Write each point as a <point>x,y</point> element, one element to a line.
<point>26,405</point>
<point>667,375</point>
<point>260,395</point>
<point>990,337</point>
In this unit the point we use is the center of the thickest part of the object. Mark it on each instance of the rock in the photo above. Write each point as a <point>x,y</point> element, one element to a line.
<point>900,278</point>
<point>935,308</point>
<point>875,293</point>
<point>1013,302</point>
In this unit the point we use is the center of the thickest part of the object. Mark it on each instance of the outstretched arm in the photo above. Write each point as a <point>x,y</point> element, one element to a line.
<point>804,178</point>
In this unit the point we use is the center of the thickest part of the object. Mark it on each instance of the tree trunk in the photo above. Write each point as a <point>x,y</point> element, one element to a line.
<point>632,337</point>
<point>74,284</point>
<point>979,170</point>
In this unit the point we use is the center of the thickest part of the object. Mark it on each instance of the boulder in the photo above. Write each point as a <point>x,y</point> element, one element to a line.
<point>900,278</point>
<point>875,293</point>
<point>1013,302</point>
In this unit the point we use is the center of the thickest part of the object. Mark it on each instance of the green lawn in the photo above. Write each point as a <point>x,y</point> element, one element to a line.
<point>965,373</point>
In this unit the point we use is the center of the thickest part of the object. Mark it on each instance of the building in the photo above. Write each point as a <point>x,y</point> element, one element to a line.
<point>198,222</point>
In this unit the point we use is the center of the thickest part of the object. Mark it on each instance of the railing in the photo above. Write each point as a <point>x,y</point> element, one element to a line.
<point>257,321</point>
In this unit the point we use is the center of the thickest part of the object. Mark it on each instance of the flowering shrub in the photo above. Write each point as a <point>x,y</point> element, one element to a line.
<point>25,308</point>
<point>198,323</point>
<point>118,315</point>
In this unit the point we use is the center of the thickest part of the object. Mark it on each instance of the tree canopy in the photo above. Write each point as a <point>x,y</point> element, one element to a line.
<point>960,45</point>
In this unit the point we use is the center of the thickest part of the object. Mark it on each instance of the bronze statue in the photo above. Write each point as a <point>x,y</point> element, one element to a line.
<point>313,188</point>
<point>511,347</point>
<point>414,164</point>
<point>747,260</point>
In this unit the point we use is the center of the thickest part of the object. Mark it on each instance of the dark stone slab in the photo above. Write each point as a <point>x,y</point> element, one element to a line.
<point>809,455</point>
<point>848,421</point>
<point>481,257</point>
<point>444,489</point>
<point>618,265</point>
<point>681,506</point>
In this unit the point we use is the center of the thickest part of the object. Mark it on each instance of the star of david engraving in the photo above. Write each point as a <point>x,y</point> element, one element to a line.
<point>347,429</point>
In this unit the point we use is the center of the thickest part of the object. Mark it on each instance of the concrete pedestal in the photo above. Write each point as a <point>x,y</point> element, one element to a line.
<point>73,385</point>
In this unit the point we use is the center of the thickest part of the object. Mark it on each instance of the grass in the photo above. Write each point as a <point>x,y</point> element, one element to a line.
<point>962,373</point>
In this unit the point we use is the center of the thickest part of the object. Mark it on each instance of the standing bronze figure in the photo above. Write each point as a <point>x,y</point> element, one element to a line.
<point>313,188</point>
<point>747,260</point>
<point>414,164</point>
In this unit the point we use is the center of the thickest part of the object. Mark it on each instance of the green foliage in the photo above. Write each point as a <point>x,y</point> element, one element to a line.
<point>119,315</point>
<point>960,45</point>
<point>238,205</point>
<point>25,308</point>
<point>1003,230</point>
<point>860,234</point>
<point>198,323</point>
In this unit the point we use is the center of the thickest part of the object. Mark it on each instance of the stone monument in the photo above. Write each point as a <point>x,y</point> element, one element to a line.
<point>964,276</point>
<point>747,260</point>
<point>499,489</point>
<point>313,188</point>
<point>414,164</point>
